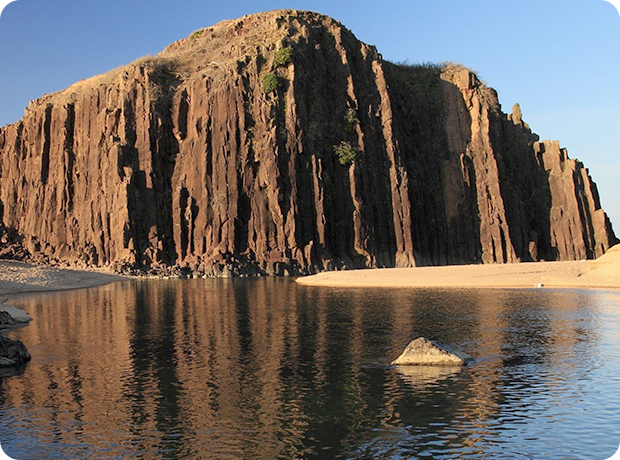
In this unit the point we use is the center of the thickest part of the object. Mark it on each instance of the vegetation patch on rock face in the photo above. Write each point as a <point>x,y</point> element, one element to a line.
<point>271,82</point>
<point>197,34</point>
<point>350,120</point>
<point>283,57</point>
<point>346,153</point>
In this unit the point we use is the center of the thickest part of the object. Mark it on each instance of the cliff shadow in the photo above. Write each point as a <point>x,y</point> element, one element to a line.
<point>433,128</point>
<point>150,209</point>
<point>12,244</point>
<point>336,101</point>
<point>524,183</point>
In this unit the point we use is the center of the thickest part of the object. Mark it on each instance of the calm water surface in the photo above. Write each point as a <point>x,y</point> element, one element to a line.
<point>266,369</point>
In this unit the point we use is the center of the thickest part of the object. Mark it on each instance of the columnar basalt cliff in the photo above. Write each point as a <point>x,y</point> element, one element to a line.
<point>280,144</point>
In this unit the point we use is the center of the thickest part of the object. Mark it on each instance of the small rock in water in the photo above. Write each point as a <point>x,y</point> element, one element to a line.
<point>423,351</point>
<point>12,352</point>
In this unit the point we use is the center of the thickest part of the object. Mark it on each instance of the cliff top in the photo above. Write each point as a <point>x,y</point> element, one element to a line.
<point>217,50</point>
<point>221,49</point>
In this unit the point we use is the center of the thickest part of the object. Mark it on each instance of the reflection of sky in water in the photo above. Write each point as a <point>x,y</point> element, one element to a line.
<point>265,368</point>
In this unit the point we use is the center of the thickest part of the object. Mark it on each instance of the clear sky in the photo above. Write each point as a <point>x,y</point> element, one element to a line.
<point>560,59</point>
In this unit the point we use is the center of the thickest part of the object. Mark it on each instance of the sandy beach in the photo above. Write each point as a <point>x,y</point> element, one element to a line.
<point>20,277</point>
<point>603,272</point>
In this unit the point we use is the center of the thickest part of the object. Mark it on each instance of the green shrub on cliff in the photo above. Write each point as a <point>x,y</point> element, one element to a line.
<point>346,153</point>
<point>271,82</point>
<point>283,57</point>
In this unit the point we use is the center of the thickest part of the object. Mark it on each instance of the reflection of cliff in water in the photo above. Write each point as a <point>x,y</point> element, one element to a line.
<point>266,368</point>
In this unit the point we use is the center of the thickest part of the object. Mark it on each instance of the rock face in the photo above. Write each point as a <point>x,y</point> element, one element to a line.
<point>423,351</point>
<point>280,144</point>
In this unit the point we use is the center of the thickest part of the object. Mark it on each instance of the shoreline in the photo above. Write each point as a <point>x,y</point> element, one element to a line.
<point>603,272</point>
<point>23,278</point>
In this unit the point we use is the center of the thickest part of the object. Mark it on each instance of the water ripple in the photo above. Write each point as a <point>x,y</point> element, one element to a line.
<point>267,369</point>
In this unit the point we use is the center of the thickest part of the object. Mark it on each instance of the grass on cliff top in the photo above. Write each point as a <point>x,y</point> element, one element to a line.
<point>423,80</point>
<point>197,34</point>
<point>212,50</point>
<point>433,68</point>
<point>152,63</point>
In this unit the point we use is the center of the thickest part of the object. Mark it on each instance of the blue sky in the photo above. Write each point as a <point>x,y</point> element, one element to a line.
<point>560,59</point>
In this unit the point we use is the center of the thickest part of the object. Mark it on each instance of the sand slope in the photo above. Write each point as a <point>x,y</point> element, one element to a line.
<point>602,272</point>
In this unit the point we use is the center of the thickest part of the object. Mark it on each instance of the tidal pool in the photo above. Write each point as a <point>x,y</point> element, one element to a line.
<point>265,369</point>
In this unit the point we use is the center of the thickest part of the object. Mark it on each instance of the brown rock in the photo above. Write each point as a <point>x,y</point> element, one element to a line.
<point>183,162</point>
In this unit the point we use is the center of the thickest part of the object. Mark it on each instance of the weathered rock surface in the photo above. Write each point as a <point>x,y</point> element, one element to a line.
<point>11,246</point>
<point>186,162</point>
<point>12,352</point>
<point>17,314</point>
<point>6,319</point>
<point>423,351</point>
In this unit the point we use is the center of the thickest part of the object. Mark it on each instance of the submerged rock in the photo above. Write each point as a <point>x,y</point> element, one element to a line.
<point>12,352</point>
<point>423,351</point>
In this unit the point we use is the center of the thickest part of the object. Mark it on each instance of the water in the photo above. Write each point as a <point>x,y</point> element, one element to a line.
<point>266,369</point>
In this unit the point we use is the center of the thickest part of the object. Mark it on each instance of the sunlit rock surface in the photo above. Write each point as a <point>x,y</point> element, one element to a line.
<point>423,351</point>
<point>188,161</point>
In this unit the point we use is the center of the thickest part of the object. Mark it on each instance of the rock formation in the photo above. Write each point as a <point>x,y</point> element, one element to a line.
<point>12,352</point>
<point>6,319</point>
<point>280,144</point>
<point>17,315</point>
<point>423,351</point>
